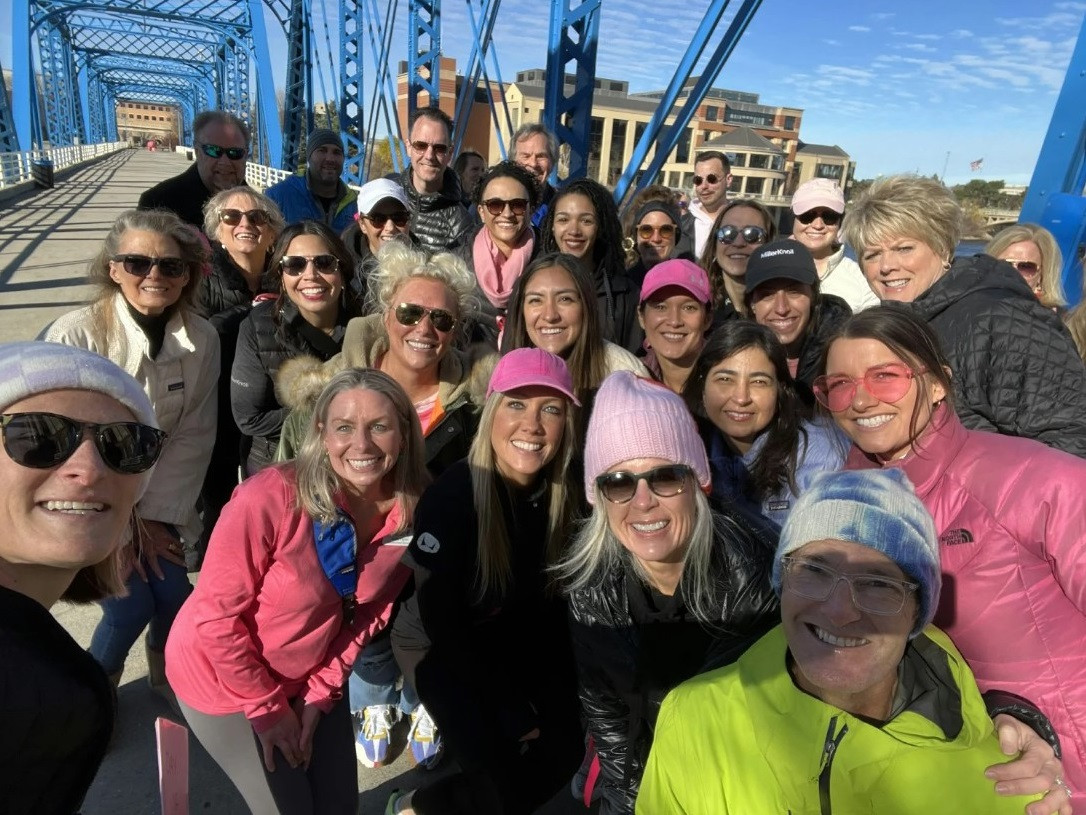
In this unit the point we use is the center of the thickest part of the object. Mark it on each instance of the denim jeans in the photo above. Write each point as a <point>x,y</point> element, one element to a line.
<point>156,602</point>
<point>375,676</point>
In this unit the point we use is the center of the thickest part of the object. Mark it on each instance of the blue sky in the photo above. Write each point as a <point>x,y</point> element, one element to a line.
<point>897,85</point>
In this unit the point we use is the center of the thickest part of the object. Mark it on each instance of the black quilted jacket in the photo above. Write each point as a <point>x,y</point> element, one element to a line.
<point>621,707</point>
<point>439,222</point>
<point>1015,367</point>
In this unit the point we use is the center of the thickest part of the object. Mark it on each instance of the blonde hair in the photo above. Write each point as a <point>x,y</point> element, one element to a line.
<point>1051,258</point>
<point>397,263</point>
<point>1076,324</point>
<point>216,203</point>
<point>103,579</point>
<point>493,569</point>
<point>317,482</point>
<point>901,206</point>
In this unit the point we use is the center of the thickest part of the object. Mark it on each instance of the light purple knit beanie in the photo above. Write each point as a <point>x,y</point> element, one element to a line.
<point>634,417</point>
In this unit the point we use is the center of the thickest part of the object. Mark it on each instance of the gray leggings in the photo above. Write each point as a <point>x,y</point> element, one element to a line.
<point>328,787</point>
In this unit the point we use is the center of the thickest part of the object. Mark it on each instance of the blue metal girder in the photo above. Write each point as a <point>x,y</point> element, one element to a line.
<point>574,37</point>
<point>351,109</point>
<point>481,48</point>
<point>423,52</point>
<point>298,84</point>
<point>58,84</point>
<point>1055,195</point>
<point>9,139</point>
<point>268,130</point>
<point>667,136</point>
<point>383,105</point>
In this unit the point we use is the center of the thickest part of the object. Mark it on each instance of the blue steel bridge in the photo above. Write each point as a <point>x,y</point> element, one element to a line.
<point>74,60</point>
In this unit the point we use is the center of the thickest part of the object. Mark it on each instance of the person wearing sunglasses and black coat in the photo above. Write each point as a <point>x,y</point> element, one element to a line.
<point>661,586</point>
<point>311,271</point>
<point>70,489</point>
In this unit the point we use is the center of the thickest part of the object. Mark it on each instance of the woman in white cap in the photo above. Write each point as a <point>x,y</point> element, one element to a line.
<point>79,441</point>
<point>144,318</point>
<point>661,586</point>
<point>818,206</point>
<point>383,215</point>
<point>483,637</point>
<point>854,702</point>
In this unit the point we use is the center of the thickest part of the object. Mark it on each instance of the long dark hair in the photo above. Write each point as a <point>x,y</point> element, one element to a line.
<point>348,304</point>
<point>707,261</point>
<point>586,359</point>
<point>910,338</point>
<point>775,466</point>
<point>608,255</point>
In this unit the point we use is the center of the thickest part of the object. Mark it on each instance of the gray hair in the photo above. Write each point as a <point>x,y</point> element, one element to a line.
<point>215,205</point>
<point>905,206</point>
<point>317,481</point>
<point>220,117</point>
<point>597,552</point>
<point>526,131</point>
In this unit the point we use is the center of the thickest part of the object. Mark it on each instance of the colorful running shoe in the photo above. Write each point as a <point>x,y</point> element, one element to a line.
<point>375,733</point>
<point>424,739</point>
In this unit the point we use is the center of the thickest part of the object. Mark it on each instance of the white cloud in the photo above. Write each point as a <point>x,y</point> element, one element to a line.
<point>918,46</point>
<point>861,28</point>
<point>929,36</point>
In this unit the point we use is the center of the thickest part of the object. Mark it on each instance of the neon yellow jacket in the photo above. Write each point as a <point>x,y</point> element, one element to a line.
<point>744,740</point>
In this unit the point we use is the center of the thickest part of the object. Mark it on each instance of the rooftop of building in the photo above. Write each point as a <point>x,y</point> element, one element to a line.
<point>821,150</point>
<point>742,138</point>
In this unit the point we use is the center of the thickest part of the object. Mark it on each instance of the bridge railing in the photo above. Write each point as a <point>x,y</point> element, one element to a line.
<point>262,177</point>
<point>17,168</point>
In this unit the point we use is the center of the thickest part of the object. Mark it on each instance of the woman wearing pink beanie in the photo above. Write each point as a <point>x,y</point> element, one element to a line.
<point>661,586</point>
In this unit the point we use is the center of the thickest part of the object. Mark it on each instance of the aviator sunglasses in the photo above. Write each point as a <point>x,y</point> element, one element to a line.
<point>620,487</point>
<point>45,440</point>
<point>496,206</point>
<point>296,264</point>
<point>1025,267</point>
<point>232,217</point>
<point>232,153</point>
<point>828,216</point>
<point>412,314</point>
<point>888,383</point>
<point>141,265</point>
<point>422,146</point>
<point>750,234</point>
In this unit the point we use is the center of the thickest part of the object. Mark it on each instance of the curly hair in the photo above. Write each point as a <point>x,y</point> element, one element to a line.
<point>217,203</point>
<point>905,206</point>
<point>399,262</point>
<point>608,256</point>
<point>775,466</point>
<point>508,169</point>
<point>1051,294</point>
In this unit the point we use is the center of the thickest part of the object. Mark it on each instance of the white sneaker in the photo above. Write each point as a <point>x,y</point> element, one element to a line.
<point>424,739</point>
<point>375,733</point>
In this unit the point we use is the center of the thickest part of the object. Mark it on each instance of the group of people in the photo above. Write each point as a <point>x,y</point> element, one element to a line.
<point>572,497</point>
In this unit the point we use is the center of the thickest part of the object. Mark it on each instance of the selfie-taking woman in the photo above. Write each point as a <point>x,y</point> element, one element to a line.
<point>79,440</point>
<point>483,638</point>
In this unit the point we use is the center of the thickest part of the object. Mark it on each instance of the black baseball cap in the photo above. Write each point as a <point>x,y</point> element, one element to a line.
<point>788,259</point>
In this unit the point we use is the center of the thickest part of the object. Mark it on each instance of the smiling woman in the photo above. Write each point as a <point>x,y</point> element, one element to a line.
<point>79,439</point>
<point>854,699</point>
<point>484,636</point>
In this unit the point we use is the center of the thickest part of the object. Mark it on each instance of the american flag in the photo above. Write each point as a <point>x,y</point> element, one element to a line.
<point>976,165</point>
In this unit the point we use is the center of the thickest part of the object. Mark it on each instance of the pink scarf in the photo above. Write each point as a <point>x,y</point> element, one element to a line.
<point>495,272</point>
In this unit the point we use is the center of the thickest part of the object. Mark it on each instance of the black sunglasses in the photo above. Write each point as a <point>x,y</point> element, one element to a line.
<point>45,440</point>
<point>232,217</point>
<point>379,219</point>
<point>141,265</point>
<point>412,314</point>
<point>621,486</point>
<point>496,206</point>
<point>828,216</point>
<point>750,234</point>
<point>712,178</point>
<point>232,153</point>
<point>296,264</point>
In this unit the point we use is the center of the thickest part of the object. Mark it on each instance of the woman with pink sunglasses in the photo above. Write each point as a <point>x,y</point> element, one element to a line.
<point>1010,514</point>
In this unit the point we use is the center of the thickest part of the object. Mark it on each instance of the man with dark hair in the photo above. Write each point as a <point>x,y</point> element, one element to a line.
<point>319,194</point>
<point>221,142</point>
<point>439,219</point>
<point>470,166</point>
<point>712,174</point>
<point>536,150</point>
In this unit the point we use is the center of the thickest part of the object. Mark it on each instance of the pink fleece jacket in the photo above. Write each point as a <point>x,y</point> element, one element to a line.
<point>1011,517</point>
<point>264,624</point>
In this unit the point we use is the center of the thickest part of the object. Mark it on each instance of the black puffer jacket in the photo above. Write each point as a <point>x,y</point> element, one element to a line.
<point>832,312</point>
<point>1015,367</point>
<point>439,221</point>
<point>629,658</point>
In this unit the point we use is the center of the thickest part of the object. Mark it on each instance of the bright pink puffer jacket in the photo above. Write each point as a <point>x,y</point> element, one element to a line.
<point>1011,518</point>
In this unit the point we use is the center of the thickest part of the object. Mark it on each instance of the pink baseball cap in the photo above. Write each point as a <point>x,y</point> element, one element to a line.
<point>677,272</point>
<point>818,192</point>
<point>525,367</point>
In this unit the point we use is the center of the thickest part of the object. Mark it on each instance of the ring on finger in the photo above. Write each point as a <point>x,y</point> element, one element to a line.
<point>1061,784</point>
